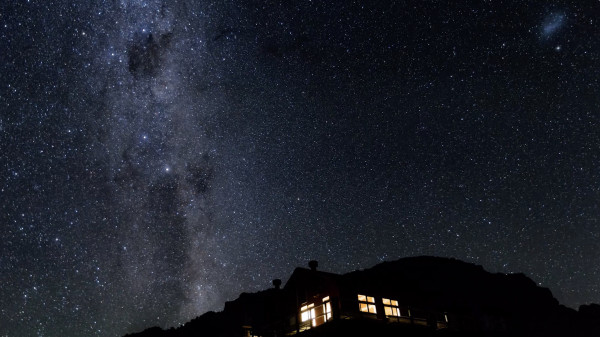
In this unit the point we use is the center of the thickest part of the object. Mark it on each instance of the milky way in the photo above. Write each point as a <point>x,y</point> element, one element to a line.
<point>160,161</point>
<point>159,158</point>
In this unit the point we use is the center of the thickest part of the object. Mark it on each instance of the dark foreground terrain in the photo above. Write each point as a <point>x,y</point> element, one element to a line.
<point>475,302</point>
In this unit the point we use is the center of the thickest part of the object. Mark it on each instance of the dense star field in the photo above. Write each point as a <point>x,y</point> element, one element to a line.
<point>160,157</point>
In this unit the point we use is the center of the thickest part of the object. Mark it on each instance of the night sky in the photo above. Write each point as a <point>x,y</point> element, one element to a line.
<point>157,158</point>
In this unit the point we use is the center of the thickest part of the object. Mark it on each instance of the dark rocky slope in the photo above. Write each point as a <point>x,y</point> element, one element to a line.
<point>479,303</point>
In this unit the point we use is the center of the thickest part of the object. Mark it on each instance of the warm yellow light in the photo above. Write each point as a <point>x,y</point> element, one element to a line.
<point>391,307</point>
<point>307,312</point>
<point>363,307</point>
<point>364,304</point>
<point>325,299</point>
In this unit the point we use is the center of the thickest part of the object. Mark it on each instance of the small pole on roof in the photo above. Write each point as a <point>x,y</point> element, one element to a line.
<point>277,283</point>
<point>313,265</point>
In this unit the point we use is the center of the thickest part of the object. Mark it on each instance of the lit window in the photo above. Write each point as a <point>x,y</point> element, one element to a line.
<point>366,304</point>
<point>327,308</point>
<point>307,313</point>
<point>391,308</point>
<point>318,314</point>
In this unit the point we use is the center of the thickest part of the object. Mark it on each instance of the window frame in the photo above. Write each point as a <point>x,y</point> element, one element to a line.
<point>392,308</point>
<point>307,313</point>
<point>367,304</point>
<point>317,313</point>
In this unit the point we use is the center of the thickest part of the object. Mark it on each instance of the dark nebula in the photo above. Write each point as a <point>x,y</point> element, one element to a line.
<point>145,54</point>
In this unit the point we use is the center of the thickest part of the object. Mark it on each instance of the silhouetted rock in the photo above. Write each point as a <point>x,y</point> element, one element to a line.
<point>417,296</point>
<point>150,332</point>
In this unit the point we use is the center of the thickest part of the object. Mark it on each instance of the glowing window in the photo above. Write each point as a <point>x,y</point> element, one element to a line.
<point>366,304</point>
<point>318,314</point>
<point>391,308</point>
<point>307,313</point>
<point>326,308</point>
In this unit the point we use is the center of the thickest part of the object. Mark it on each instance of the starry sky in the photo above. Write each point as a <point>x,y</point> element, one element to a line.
<point>157,158</point>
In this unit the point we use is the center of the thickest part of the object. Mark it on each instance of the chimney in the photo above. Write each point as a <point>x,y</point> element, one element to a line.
<point>313,265</point>
<point>277,283</point>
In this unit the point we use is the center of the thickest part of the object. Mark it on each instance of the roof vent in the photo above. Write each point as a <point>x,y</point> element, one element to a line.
<point>277,283</point>
<point>313,265</point>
